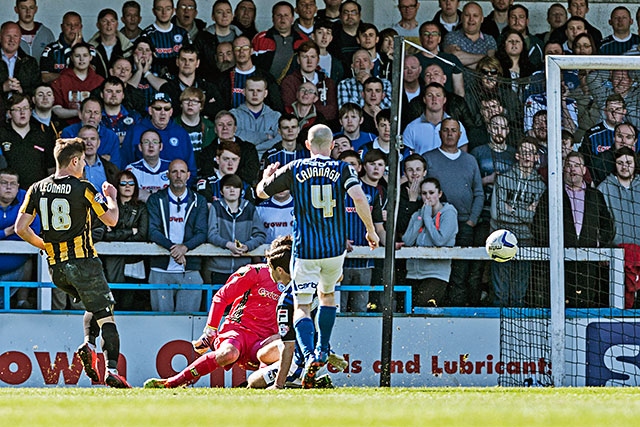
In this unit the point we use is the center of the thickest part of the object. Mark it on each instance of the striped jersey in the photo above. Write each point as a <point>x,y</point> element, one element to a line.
<point>238,82</point>
<point>319,187</point>
<point>598,139</point>
<point>277,217</point>
<point>64,206</point>
<point>279,154</point>
<point>614,46</point>
<point>356,230</point>
<point>167,45</point>
<point>150,178</point>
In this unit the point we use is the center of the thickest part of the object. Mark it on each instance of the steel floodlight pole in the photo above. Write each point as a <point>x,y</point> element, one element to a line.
<point>392,213</point>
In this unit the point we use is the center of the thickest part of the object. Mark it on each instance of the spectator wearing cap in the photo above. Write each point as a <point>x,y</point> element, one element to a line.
<point>176,143</point>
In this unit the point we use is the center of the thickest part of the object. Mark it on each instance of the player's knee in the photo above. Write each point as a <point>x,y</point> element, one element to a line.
<point>103,314</point>
<point>256,380</point>
<point>270,353</point>
<point>227,355</point>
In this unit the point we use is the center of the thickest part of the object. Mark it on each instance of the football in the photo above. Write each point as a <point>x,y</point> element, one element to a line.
<point>502,245</point>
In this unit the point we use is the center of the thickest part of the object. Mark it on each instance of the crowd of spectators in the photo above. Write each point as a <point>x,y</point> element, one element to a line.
<point>182,116</point>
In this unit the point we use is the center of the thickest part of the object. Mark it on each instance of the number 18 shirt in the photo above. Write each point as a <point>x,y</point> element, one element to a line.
<point>64,206</point>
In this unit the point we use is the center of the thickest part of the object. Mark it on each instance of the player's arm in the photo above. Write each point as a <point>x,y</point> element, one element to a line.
<point>24,230</point>
<point>267,177</point>
<point>110,216</point>
<point>286,357</point>
<point>364,212</point>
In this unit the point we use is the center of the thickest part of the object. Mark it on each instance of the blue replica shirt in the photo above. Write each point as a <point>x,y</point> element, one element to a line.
<point>176,144</point>
<point>319,187</point>
<point>356,231</point>
<point>167,45</point>
<point>598,139</point>
<point>121,122</point>
<point>278,154</point>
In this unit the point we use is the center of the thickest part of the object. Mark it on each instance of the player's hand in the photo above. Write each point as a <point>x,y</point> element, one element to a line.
<point>274,387</point>
<point>109,190</point>
<point>349,245</point>
<point>373,239</point>
<point>270,170</point>
<point>206,340</point>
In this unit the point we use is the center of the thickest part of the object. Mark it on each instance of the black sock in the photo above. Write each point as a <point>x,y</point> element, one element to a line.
<point>110,344</point>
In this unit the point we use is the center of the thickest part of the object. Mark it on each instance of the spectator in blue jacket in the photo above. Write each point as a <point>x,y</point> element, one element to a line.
<point>176,143</point>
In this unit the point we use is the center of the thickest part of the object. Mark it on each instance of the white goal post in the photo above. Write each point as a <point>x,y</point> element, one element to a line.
<point>554,66</point>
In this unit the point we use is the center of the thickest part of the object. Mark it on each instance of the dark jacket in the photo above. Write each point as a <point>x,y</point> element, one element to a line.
<point>264,46</point>
<point>131,215</point>
<point>195,226</point>
<point>327,103</point>
<point>597,225</point>
<point>111,171</point>
<point>26,70</point>
<point>100,61</point>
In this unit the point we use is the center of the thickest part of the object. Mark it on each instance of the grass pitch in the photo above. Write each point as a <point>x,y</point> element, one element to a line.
<point>370,407</point>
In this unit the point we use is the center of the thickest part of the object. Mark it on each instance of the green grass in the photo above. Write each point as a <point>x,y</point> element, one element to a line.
<point>370,407</point>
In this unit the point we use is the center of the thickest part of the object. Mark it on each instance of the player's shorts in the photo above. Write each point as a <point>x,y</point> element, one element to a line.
<point>294,376</point>
<point>247,342</point>
<point>84,280</point>
<point>311,274</point>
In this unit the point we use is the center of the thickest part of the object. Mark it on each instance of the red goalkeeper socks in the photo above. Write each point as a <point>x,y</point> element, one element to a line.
<point>204,365</point>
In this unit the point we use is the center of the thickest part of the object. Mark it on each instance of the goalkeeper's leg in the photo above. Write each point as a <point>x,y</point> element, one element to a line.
<point>225,355</point>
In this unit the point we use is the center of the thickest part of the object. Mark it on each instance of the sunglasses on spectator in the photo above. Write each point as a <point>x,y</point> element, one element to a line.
<point>492,72</point>
<point>162,108</point>
<point>131,183</point>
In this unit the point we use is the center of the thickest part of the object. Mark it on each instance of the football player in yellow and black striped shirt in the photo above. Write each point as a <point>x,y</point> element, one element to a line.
<point>64,203</point>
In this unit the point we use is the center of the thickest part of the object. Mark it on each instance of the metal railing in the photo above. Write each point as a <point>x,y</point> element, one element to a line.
<point>614,256</point>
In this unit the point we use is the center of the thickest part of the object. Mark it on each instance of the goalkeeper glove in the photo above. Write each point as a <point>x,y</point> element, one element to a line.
<point>205,342</point>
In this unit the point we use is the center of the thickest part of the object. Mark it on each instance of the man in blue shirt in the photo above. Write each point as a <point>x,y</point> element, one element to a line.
<point>319,236</point>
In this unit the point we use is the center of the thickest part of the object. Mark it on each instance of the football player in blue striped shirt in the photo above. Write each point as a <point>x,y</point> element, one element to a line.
<point>319,186</point>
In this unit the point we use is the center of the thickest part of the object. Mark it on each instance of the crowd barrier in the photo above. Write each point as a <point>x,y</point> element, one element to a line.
<point>614,256</point>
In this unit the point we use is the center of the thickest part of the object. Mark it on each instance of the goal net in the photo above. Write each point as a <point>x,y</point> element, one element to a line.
<point>568,300</point>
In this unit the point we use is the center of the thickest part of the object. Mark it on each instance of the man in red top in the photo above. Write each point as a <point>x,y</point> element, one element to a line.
<point>250,324</point>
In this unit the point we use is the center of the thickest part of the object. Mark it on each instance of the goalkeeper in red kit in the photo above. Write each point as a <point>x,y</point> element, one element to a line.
<point>253,293</point>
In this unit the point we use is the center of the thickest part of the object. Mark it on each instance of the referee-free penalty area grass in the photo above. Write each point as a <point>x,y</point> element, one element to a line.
<point>368,407</point>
